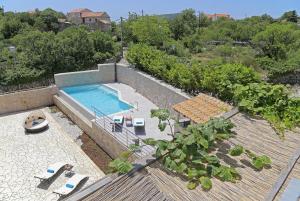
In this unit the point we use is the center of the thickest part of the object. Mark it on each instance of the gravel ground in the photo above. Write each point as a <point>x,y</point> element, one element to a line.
<point>69,127</point>
<point>94,152</point>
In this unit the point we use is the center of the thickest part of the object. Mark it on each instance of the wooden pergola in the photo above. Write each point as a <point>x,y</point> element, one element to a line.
<point>202,108</point>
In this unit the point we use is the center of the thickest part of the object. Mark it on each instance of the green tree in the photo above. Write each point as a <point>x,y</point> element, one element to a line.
<point>204,21</point>
<point>152,30</point>
<point>276,40</point>
<point>104,46</point>
<point>290,16</point>
<point>74,50</point>
<point>184,24</point>
<point>10,26</point>
<point>47,20</point>
<point>35,51</point>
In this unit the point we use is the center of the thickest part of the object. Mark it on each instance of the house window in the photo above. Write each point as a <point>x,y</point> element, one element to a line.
<point>90,19</point>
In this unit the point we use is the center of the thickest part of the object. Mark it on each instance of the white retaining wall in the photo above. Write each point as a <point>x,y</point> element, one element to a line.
<point>104,74</point>
<point>27,100</point>
<point>160,93</point>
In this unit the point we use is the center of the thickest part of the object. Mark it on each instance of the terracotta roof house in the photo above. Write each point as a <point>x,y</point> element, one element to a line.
<point>95,20</point>
<point>216,16</point>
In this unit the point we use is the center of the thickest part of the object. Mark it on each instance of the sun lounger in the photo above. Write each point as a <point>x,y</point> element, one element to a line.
<point>138,122</point>
<point>52,170</point>
<point>70,185</point>
<point>118,119</point>
<point>292,191</point>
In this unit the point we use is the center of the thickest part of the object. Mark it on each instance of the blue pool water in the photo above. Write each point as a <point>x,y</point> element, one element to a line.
<point>99,96</point>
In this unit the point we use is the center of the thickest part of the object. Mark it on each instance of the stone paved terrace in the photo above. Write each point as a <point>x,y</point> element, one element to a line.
<point>129,95</point>
<point>22,156</point>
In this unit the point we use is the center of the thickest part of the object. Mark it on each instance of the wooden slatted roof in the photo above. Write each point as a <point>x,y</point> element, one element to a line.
<point>202,108</point>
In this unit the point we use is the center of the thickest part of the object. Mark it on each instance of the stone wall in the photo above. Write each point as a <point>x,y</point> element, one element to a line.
<point>290,78</point>
<point>26,100</point>
<point>106,141</point>
<point>104,74</point>
<point>161,94</point>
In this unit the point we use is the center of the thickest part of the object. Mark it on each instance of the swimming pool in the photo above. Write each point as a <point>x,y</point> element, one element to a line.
<point>99,96</point>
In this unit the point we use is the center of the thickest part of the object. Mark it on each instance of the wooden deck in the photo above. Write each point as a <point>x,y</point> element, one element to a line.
<point>253,134</point>
<point>156,183</point>
<point>137,186</point>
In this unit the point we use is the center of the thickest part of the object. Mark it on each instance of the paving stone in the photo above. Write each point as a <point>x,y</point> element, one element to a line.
<point>22,156</point>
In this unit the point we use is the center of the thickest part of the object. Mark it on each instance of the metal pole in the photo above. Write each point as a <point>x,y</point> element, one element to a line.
<point>199,20</point>
<point>122,37</point>
<point>127,138</point>
<point>104,122</point>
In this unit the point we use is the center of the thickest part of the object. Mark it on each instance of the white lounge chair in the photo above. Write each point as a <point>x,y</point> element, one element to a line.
<point>52,170</point>
<point>138,122</point>
<point>70,185</point>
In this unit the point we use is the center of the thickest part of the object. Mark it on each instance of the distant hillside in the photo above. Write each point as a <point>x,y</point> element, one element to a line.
<point>169,16</point>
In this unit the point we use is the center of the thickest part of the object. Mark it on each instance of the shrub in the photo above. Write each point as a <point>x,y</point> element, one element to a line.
<point>220,80</point>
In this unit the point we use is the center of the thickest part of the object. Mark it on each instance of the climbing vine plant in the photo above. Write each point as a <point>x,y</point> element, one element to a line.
<point>191,153</point>
<point>271,102</point>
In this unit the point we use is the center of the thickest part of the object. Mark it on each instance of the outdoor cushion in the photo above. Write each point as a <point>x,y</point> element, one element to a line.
<point>138,122</point>
<point>69,186</point>
<point>50,171</point>
<point>35,123</point>
<point>118,119</point>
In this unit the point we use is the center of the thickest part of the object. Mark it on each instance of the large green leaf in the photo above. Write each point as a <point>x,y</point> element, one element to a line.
<point>171,145</point>
<point>205,183</point>
<point>212,159</point>
<point>150,141</point>
<point>120,166</point>
<point>190,140</point>
<point>236,150</point>
<point>204,143</point>
<point>167,161</point>
<point>173,166</point>
<point>227,173</point>
<point>182,168</point>
<point>162,126</point>
<point>192,173</point>
<point>191,185</point>
<point>161,114</point>
<point>261,161</point>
